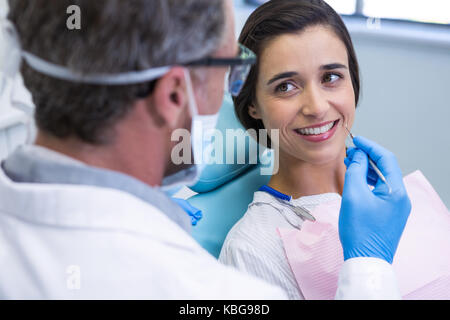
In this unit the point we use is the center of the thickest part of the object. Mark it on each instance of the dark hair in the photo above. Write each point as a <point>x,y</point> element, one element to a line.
<point>278,17</point>
<point>115,36</point>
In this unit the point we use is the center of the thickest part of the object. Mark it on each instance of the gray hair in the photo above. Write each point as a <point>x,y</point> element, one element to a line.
<point>115,36</point>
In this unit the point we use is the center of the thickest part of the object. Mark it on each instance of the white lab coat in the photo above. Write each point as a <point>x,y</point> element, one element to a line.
<point>82,242</point>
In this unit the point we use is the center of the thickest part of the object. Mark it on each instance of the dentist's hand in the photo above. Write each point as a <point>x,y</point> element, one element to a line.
<point>371,222</point>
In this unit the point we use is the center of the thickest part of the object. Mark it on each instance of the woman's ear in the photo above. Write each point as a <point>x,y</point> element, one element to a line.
<point>253,111</point>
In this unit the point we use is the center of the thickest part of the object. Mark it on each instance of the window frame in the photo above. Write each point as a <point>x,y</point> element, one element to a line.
<point>358,13</point>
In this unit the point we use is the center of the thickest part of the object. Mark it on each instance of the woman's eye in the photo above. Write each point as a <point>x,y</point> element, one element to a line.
<point>331,77</point>
<point>285,87</point>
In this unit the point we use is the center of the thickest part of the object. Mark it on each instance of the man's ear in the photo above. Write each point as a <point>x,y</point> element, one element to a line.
<point>253,111</point>
<point>170,100</point>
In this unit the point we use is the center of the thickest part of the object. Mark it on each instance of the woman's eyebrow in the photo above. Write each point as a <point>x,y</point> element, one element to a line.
<point>332,66</point>
<point>282,76</point>
<point>289,74</point>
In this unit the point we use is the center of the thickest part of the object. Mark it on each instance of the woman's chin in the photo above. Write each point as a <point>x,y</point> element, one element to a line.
<point>322,157</point>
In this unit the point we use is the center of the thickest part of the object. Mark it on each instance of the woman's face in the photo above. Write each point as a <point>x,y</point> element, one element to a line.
<point>305,90</point>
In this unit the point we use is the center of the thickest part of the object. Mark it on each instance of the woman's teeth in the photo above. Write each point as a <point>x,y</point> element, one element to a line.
<point>318,130</point>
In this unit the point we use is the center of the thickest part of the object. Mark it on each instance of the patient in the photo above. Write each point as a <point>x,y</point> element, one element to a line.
<point>306,84</point>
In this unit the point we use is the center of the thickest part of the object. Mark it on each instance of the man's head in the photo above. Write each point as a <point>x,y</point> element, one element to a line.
<point>122,36</point>
<point>115,36</point>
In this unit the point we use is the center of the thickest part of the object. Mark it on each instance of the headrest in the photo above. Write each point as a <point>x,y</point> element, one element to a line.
<point>239,142</point>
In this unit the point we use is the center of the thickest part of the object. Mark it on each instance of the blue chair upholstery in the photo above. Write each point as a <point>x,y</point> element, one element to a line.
<point>226,190</point>
<point>223,207</point>
<point>216,175</point>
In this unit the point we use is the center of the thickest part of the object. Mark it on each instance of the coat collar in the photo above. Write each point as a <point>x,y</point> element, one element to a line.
<point>89,208</point>
<point>34,164</point>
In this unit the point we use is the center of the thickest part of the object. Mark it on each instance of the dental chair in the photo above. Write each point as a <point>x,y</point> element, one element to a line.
<point>226,190</point>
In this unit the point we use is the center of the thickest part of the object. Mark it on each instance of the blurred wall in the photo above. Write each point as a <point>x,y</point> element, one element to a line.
<point>405,105</point>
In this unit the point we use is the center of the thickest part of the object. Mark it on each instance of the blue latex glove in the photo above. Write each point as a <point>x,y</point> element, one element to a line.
<point>194,213</point>
<point>371,222</point>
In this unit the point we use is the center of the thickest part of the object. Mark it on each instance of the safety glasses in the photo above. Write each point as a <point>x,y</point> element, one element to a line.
<point>239,67</point>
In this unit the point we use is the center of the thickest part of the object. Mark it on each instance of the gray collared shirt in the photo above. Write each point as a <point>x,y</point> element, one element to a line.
<point>35,164</point>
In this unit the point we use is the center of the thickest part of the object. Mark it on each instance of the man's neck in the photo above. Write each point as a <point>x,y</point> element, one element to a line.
<point>128,158</point>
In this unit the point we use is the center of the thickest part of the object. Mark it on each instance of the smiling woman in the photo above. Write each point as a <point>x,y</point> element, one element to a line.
<point>305,85</point>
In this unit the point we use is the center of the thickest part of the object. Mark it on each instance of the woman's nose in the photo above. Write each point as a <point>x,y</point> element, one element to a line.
<point>314,102</point>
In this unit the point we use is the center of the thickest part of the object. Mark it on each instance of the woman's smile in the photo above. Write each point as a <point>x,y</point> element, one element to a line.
<point>319,132</point>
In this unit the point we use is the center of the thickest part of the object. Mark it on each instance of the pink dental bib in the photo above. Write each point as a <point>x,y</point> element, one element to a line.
<point>421,263</point>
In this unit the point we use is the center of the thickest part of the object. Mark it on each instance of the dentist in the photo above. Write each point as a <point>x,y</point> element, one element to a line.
<point>82,211</point>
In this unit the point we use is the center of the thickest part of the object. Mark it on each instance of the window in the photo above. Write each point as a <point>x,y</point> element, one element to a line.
<point>429,11</point>
<point>346,7</point>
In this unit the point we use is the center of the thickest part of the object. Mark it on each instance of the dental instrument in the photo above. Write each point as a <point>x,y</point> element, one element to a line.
<point>374,166</point>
